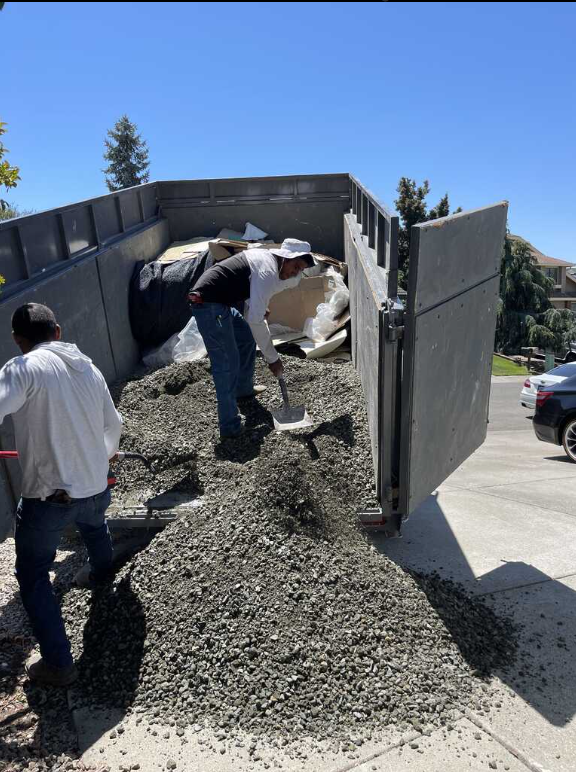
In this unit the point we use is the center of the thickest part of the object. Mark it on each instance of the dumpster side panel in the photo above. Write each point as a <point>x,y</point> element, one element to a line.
<point>115,268</point>
<point>90,300</point>
<point>36,246</point>
<point>449,340</point>
<point>308,207</point>
<point>367,283</point>
<point>75,297</point>
<point>318,223</point>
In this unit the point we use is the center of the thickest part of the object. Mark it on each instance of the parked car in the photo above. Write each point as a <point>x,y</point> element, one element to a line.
<point>555,417</point>
<point>535,382</point>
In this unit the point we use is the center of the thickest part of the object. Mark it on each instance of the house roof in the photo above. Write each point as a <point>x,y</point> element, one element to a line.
<point>541,258</point>
<point>545,260</point>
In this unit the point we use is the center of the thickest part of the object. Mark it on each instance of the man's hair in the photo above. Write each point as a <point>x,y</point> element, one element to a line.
<point>35,323</point>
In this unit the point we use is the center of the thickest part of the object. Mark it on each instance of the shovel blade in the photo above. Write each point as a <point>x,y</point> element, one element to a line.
<point>294,418</point>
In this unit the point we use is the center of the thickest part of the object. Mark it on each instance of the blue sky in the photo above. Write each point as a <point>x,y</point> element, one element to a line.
<point>479,98</point>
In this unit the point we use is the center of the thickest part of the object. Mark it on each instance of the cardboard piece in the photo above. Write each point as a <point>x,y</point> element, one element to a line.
<point>293,306</point>
<point>220,249</point>
<point>179,250</point>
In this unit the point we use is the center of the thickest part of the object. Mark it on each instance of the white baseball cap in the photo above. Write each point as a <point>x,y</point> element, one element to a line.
<point>292,248</point>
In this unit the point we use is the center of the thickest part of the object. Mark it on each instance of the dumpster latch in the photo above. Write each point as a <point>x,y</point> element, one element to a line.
<point>395,333</point>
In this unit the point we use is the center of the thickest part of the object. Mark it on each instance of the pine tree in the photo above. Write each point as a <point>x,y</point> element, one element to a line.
<point>442,209</point>
<point>127,156</point>
<point>411,205</point>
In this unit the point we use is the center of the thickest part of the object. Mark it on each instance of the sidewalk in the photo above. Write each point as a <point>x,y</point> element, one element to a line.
<point>504,525</point>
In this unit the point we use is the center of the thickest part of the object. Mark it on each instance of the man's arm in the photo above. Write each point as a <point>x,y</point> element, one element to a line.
<point>13,390</point>
<point>262,286</point>
<point>112,424</point>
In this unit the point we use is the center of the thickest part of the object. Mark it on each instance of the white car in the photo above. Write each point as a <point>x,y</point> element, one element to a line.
<point>532,384</point>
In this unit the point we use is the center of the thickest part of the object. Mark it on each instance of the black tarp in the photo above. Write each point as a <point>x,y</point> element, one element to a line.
<point>158,303</point>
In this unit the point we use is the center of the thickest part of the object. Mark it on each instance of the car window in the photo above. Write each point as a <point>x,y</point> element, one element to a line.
<point>564,370</point>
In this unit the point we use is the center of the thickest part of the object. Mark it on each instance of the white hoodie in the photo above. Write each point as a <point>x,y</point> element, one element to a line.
<point>66,425</point>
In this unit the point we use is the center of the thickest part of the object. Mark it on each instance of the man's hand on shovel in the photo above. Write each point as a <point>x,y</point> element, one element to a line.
<point>277,368</point>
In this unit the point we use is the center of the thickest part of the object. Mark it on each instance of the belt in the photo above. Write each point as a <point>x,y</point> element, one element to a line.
<point>60,497</point>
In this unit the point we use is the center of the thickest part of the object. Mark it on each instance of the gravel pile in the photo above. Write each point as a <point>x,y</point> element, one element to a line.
<point>264,608</point>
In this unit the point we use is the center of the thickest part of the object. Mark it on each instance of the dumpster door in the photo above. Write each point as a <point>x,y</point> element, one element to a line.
<point>450,322</point>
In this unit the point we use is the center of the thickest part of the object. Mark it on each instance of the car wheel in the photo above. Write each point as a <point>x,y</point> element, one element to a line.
<point>569,439</point>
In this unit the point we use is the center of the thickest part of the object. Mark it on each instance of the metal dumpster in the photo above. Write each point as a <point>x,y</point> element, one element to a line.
<point>425,364</point>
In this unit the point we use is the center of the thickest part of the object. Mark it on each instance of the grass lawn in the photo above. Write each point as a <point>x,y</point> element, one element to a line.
<point>504,367</point>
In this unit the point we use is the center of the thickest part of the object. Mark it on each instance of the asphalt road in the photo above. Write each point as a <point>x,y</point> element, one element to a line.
<point>506,413</point>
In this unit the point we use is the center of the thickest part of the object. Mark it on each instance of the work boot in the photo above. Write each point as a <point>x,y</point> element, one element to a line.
<point>84,578</point>
<point>40,672</point>
<point>256,391</point>
<point>239,433</point>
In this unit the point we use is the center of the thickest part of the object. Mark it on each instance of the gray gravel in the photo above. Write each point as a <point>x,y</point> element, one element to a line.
<point>265,608</point>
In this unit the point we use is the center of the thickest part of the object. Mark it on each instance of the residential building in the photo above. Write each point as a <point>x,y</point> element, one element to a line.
<point>564,293</point>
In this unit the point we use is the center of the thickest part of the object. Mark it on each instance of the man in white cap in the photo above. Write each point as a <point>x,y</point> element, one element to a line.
<point>230,337</point>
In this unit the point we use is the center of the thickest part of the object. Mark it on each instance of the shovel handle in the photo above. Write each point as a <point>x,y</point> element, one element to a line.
<point>8,454</point>
<point>284,390</point>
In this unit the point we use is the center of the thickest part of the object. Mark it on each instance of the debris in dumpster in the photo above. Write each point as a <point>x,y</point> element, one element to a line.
<point>329,316</point>
<point>158,298</point>
<point>266,609</point>
<point>182,250</point>
<point>184,346</point>
<point>253,233</point>
<point>293,306</point>
<point>316,350</point>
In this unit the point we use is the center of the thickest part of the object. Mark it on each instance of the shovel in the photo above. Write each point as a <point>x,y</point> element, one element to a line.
<point>288,417</point>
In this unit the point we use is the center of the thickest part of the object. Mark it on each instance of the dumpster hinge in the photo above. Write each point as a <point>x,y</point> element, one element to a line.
<point>394,320</point>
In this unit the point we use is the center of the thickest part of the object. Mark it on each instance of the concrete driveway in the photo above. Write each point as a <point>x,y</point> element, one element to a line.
<point>504,525</point>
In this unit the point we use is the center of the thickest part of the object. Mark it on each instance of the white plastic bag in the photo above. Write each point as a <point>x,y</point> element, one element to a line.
<point>184,346</point>
<point>162,355</point>
<point>253,233</point>
<point>325,323</point>
<point>190,345</point>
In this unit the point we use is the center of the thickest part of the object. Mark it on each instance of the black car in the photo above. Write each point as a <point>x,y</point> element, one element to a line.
<point>555,417</point>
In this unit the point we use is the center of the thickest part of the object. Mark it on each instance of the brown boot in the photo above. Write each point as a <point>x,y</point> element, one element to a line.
<point>39,672</point>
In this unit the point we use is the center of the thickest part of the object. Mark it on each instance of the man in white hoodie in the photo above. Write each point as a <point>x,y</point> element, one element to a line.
<point>66,429</point>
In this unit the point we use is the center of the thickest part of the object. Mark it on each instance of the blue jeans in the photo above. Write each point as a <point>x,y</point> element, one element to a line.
<point>39,526</point>
<point>232,351</point>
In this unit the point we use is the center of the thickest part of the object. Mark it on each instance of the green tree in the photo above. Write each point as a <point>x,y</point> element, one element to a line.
<point>9,175</point>
<point>411,206</point>
<point>13,211</point>
<point>127,156</point>
<point>526,316</point>
<point>442,209</point>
